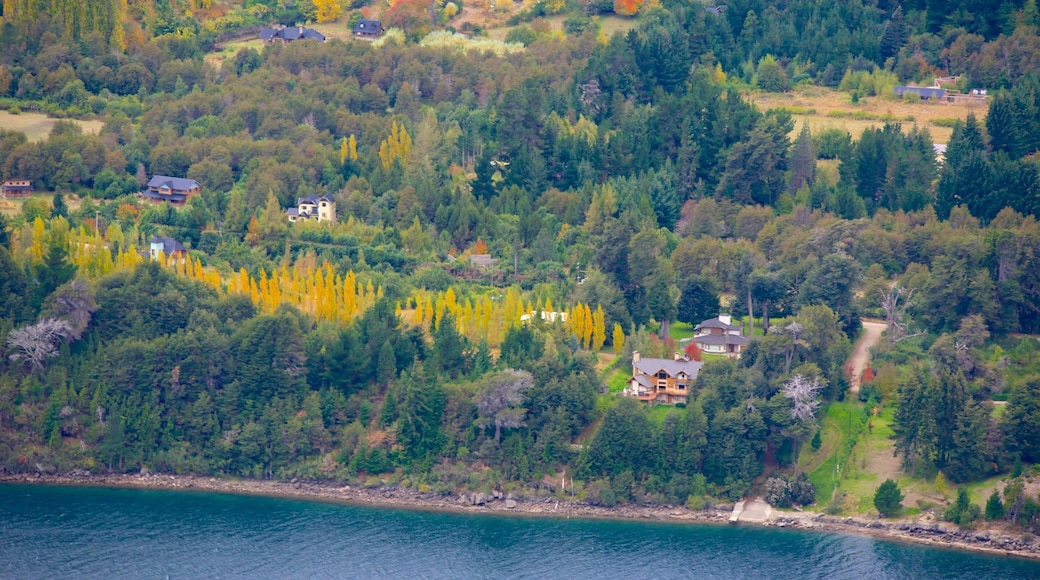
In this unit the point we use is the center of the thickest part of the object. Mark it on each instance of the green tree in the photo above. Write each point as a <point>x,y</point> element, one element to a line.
<point>771,76</point>
<point>59,207</point>
<point>699,301</point>
<point>386,365</point>
<point>994,507</point>
<point>888,499</point>
<point>803,161</point>
<point>624,440</point>
<point>1022,420</point>
<point>420,413</point>
<point>52,273</point>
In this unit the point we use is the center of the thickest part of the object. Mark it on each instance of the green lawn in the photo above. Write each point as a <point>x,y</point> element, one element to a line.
<point>841,420</point>
<point>617,380</point>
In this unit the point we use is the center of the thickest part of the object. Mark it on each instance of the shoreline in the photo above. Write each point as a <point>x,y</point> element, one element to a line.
<point>993,541</point>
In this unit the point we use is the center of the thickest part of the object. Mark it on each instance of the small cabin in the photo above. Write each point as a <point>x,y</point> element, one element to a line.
<point>16,188</point>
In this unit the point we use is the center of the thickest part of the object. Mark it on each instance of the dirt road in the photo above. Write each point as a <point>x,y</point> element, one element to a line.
<point>860,358</point>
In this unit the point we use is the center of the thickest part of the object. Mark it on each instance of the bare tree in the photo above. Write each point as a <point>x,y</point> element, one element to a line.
<point>74,303</point>
<point>499,400</point>
<point>792,331</point>
<point>894,304</point>
<point>36,343</point>
<point>804,393</point>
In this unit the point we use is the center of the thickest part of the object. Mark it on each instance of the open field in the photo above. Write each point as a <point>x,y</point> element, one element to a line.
<point>13,207</point>
<point>230,49</point>
<point>826,104</point>
<point>37,126</point>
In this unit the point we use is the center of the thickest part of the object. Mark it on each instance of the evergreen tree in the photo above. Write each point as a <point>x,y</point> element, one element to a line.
<point>803,161</point>
<point>1022,420</point>
<point>420,412</point>
<point>698,301</point>
<point>386,366</point>
<point>968,457</point>
<point>888,499</point>
<point>59,207</point>
<point>624,440</point>
<point>1005,127</point>
<point>994,507</point>
<point>894,35</point>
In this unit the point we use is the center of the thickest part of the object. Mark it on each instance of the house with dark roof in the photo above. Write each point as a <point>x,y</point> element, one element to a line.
<point>169,247</point>
<point>662,380</point>
<point>924,93</point>
<point>285,35</point>
<point>313,207</point>
<point>368,29</point>
<point>720,336</point>
<point>172,190</point>
<point>16,188</point>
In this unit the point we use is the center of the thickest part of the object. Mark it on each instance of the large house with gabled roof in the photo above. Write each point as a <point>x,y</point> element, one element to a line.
<point>313,207</point>
<point>173,190</point>
<point>720,336</point>
<point>662,380</point>
<point>287,34</point>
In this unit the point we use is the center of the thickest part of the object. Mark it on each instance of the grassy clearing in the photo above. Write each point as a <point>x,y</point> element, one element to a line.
<point>657,413</point>
<point>841,423</point>
<point>37,126</point>
<point>609,25</point>
<point>337,29</point>
<point>617,380</point>
<point>826,108</point>
<point>13,207</point>
<point>862,474</point>
<point>231,48</point>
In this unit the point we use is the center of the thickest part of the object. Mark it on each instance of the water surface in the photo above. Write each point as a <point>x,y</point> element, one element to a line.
<point>54,531</point>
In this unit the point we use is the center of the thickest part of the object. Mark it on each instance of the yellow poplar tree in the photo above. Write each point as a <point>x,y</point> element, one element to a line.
<point>397,146</point>
<point>599,330</point>
<point>586,338</point>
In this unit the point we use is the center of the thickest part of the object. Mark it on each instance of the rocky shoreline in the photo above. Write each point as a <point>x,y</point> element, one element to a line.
<point>940,534</point>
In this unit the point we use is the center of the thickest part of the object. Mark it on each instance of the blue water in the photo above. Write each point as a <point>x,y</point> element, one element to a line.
<point>52,532</point>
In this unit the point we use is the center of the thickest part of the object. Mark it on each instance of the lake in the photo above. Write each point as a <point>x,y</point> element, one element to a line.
<point>54,531</point>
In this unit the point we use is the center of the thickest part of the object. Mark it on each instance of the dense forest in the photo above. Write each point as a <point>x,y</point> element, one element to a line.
<point>625,180</point>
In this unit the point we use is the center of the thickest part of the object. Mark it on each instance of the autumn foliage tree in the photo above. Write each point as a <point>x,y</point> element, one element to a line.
<point>327,10</point>
<point>627,7</point>
<point>411,16</point>
<point>396,146</point>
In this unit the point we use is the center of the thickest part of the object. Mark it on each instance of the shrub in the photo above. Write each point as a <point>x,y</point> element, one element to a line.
<point>778,492</point>
<point>833,143</point>
<point>771,76</point>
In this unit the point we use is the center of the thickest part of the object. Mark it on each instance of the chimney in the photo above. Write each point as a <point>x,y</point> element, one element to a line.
<point>725,319</point>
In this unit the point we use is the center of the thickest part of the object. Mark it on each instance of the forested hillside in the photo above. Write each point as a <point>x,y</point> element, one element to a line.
<point>627,181</point>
